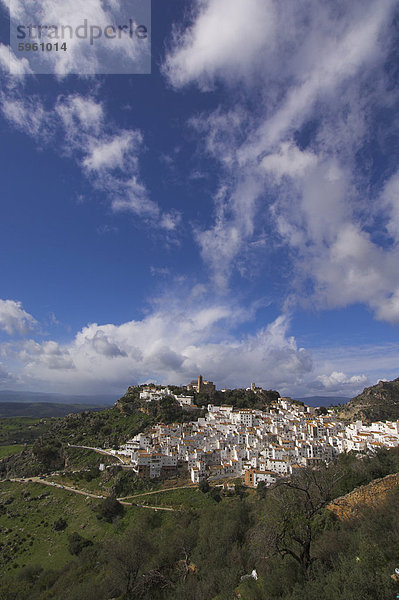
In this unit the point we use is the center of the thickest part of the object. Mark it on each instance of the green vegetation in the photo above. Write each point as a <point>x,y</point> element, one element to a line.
<point>57,544</point>
<point>83,458</point>
<point>104,429</point>
<point>125,483</point>
<point>10,450</point>
<point>165,410</point>
<point>32,528</point>
<point>108,428</point>
<point>377,403</point>
<point>239,398</point>
<point>299,549</point>
<point>180,498</point>
<point>22,430</point>
<point>76,543</point>
<point>109,510</point>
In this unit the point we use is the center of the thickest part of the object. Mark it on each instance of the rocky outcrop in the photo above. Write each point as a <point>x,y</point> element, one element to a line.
<point>370,495</point>
<point>376,403</point>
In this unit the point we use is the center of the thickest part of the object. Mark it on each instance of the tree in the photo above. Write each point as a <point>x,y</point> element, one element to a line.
<point>215,494</point>
<point>76,543</point>
<point>133,573</point>
<point>60,524</point>
<point>204,486</point>
<point>291,510</point>
<point>49,452</point>
<point>261,489</point>
<point>239,489</point>
<point>109,509</point>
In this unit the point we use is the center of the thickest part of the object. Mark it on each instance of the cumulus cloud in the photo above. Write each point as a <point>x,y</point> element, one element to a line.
<point>169,345</point>
<point>102,345</point>
<point>179,339</point>
<point>339,381</point>
<point>14,319</point>
<point>291,171</point>
<point>47,355</point>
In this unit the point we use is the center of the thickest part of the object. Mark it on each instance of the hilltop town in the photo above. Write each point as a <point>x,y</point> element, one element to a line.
<point>256,445</point>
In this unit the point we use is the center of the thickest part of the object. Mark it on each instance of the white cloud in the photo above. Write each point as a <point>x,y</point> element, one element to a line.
<point>288,138</point>
<point>5,377</point>
<point>108,156</point>
<point>338,381</point>
<point>14,319</point>
<point>102,345</point>
<point>225,37</point>
<point>181,338</point>
<point>289,160</point>
<point>390,202</point>
<point>118,55</point>
<point>376,361</point>
<point>26,114</point>
<point>47,355</point>
<point>338,55</point>
<point>9,63</point>
<point>234,226</point>
<point>172,344</point>
<point>113,153</point>
<point>170,221</point>
<point>80,113</point>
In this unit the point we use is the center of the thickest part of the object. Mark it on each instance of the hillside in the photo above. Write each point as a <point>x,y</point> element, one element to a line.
<point>375,403</point>
<point>370,495</point>
<point>107,428</point>
<point>57,544</point>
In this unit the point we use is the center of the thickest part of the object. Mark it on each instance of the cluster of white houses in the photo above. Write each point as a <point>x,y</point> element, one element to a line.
<point>150,394</point>
<point>253,444</point>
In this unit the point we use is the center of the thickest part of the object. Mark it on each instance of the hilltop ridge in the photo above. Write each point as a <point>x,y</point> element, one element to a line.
<point>375,403</point>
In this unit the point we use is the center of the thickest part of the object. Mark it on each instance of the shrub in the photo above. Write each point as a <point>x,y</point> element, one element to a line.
<point>76,543</point>
<point>60,524</point>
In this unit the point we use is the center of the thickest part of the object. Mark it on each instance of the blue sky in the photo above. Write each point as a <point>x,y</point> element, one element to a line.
<point>234,213</point>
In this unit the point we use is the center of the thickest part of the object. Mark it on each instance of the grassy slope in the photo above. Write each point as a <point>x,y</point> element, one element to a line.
<point>10,450</point>
<point>22,429</point>
<point>183,498</point>
<point>26,525</point>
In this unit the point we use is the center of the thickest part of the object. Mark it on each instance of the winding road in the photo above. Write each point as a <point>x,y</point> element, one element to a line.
<point>87,494</point>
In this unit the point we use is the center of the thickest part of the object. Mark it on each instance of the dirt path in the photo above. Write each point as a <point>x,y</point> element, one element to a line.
<point>182,487</point>
<point>83,493</point>
<point>99,451</point>
<point>57,485</point>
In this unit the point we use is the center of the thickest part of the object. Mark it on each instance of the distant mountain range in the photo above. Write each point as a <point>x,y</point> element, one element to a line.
<point>42,410</point>
<point>30,397</point>
<point>324,400</point>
